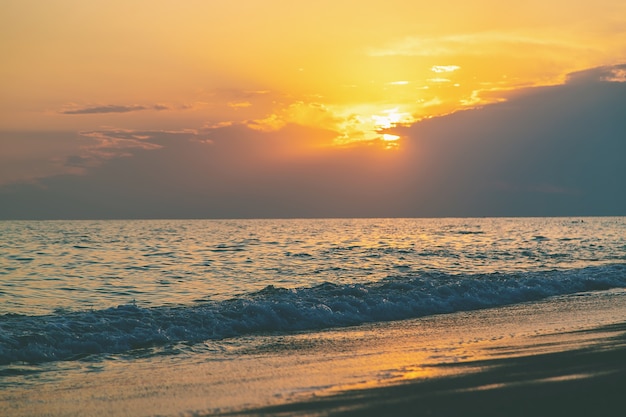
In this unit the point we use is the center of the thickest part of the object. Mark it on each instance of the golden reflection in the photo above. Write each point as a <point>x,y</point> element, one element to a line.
<point>416,372</point>
<point>411,373</point>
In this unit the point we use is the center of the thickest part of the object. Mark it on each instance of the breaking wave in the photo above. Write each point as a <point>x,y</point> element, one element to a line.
<point>75,335</point>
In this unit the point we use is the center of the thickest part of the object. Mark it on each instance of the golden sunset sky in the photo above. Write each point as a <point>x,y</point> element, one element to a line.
<point>348,66</point>
<point>351,71</point>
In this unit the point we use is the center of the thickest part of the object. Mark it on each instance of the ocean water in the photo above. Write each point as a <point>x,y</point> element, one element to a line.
<point>80,295</point>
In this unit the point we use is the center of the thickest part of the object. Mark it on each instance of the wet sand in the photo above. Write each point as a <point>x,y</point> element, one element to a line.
<point>584,374</point>
<point>563,356</point>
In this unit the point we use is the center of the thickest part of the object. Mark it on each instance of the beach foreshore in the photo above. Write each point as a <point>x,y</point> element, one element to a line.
<point>584,374</point>
<point>562,356</point>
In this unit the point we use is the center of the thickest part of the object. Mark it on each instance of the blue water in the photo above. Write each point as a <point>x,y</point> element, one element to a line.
<point>71,290</point>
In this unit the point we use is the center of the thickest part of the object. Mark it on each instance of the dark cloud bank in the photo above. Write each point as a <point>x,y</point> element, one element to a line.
<point>550,151</point>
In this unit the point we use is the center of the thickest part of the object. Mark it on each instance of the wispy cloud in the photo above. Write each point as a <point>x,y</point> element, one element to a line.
<point>102,145</point>
<point>235,93</point>
<point>439,80</point>
<point>444,68</point>
<point>467,44</point>
<point>239,104</point>
<point>109,108</point>
<point>113,108</point>
<point>120,139</point>
<point>310,114</point>
<point>614,73</point>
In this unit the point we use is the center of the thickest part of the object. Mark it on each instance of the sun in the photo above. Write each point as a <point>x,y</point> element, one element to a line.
<point>389,118</point>
<point>370,122</point>
<point>387,137</point>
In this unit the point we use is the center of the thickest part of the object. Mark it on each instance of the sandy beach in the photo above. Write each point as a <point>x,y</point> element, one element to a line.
<point>578,381</point>
<point>563,356</point>
<point>562,373</point>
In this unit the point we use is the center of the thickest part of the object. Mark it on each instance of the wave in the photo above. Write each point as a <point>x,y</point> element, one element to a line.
<point>75,335</point>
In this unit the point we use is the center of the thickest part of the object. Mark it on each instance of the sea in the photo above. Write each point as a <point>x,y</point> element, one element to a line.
<point>85,303</point>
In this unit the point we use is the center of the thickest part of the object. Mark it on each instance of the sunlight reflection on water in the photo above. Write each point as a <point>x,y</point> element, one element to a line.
<point>48,265</point>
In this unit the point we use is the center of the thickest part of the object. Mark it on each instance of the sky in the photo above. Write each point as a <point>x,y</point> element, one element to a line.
<point>247,109</point>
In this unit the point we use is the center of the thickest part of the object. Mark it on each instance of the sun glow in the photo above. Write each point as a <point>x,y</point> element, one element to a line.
<point>350,82</point>
<point>390,118</point>
<point>370,122</point>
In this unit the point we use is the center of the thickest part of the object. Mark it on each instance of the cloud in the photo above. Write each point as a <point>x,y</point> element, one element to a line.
<point>439,80</point>
<point>615,73</point>
<point>239,94</point>
<point>78,161</point>
<point>110,108</point>
<point>113,108</point>
<point>33,156</point>
<point>240,173</point>
<point>108,144</point>
<point>444,68</point>
<point>486,43</point>
<point>546,151</point>
<point>128,138</point>
<point>27,156</point>
<point>239,104</point>
<point>301,113</point>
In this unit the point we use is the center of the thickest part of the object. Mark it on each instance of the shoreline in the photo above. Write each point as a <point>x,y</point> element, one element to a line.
<point>576,381</point>
<point>560,356</point>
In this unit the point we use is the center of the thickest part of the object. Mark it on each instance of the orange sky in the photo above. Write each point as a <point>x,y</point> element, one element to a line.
<point>332,108</point>
<point>352,67</point>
